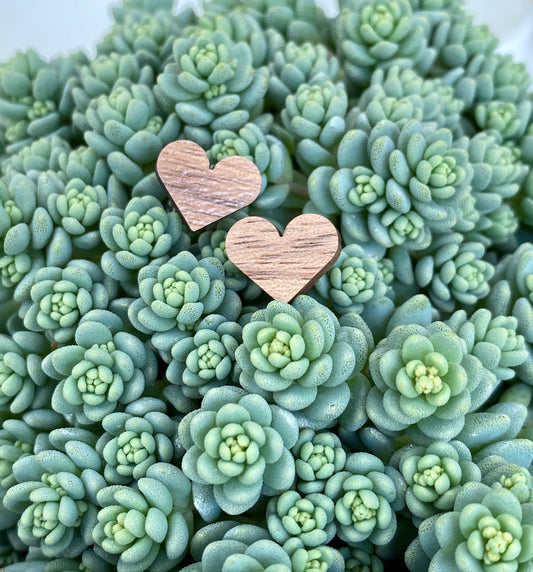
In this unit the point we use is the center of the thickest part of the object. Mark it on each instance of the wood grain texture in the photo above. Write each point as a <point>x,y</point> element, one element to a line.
<point>204,195</point>
<point>284,266</point>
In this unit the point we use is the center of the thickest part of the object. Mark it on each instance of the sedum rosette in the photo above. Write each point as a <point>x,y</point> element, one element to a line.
<point>104,368</point>
<point>146,526</point>
<point>488,529</point>
<point>366,495</point>
<point>425,380</point>
<point>238,447</point>
<point>299,357</point>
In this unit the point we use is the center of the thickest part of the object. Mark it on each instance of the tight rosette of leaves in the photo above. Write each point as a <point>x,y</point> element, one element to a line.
<point>394,185</point>
<point>300,357</point>
<point>106,367</point>
<point>238,447</point>
<point>487,528</point>
<point>211,84</point>
<point>425,379</point>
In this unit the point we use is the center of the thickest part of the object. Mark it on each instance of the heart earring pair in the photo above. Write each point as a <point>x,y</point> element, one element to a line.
<point>283,266</point>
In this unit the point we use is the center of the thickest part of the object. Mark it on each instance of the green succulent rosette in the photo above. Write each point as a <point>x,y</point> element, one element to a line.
<point>176,293</point>
<point>23,383</point>
<point>396,185</point>
<point>499,473</point>
<point>101,76</point>
<point>371,34</point>
<point>435,475</point>
<point>425,381</point>
<point>494,341</point>
<point>237,448</point>
<point>146,526</point>
<point>37,157</point>
<point>78,210</point>
<point>454,272</point>
<point>36,97</point>
<point>300,357</point>
<point>147,35</point>
<point>296,64</point>
<point>400,94</point>
<point>203,361</point>
<point>262,555</point>
<point>486,528</point>
<point>354,280</point>
<point>211,84</point>
<point>105,368</point>
<point>457,41</point>
<point>367,495</point>
<point>141,232</point>
<point>313,119</point>
<point>498,173</point>
<point>128,129</point>
<point>27,236</point>
<point>359,559</point>
<point>55,495</point>
<point>309,519</point>
<point>85,164</point>
<point>135,439</point>
<point>318,455</point>
<point>240,25</point>
<point>61,296</point>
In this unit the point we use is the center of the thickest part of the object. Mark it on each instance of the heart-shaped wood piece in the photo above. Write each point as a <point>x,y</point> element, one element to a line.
<point>204,195</point>
<point>284,266</point>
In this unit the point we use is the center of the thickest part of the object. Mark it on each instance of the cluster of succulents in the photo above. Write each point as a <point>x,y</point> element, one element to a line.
<point>158,411</point>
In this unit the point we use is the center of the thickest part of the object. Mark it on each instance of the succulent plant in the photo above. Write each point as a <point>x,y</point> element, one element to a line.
<point>486,528</point>
<point>308,519</point>
<point>366,495</point>
<point>104,368</point>
<point>318,456</point>
<point>176,293</point>
<point>371,33</point>
<point>395,185</point>
<point>211,84</point>
<point>354,279</point>
<point>238,447</point>
<point>297,64</point>
<point>142,232</point>
<point>314,119</point>
<point>455,272</point>
<point>56,497</point>
<point>36,97</point>
<point>23,384</point>
<point>494,341</point>
<point>135,440</point>
<point>435,475</point>
<point>37,157</point>
<point>425,377</point>
<point>78,210</point>
<point>299,357</point>
<point>127,128</point>
<point>146,526</point>
<point>207,359</point>
<point>61,296</point>
<point>147,35</point>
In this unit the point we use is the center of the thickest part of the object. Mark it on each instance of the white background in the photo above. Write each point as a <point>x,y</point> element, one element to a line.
<point>55,27</point>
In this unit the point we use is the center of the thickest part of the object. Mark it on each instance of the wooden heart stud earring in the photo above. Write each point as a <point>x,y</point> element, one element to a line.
<point>204,195</point>
<point>284,266</point>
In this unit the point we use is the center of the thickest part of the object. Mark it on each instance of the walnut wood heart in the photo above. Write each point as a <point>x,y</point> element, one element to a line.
<point>283,266</point>
<point>204,195</point>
